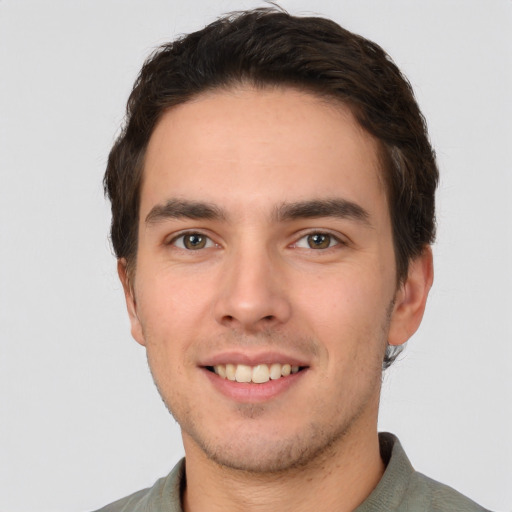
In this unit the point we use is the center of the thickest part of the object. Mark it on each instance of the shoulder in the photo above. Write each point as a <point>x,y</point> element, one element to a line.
<point>427,494</point>
<point>163,495</point>
<point>140,500</point>
<point>403,489</point>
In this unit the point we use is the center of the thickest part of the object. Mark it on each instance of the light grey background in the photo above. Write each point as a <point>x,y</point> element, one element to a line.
<point>80,421</point>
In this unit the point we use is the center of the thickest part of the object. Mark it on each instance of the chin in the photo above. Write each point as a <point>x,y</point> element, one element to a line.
<point>264,454</point>
<point>273,458</point>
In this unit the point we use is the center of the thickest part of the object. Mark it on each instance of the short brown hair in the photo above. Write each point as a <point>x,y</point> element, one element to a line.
<point>268,47</point>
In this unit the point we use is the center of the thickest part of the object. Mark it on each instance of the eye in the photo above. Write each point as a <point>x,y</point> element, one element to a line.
<point>192,241</point>
<point>317,241</point>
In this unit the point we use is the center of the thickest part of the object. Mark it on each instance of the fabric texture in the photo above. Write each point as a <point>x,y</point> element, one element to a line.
<point>401,489</point>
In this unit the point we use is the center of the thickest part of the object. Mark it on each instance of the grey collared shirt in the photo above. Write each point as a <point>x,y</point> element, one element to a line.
<point>401,489</point>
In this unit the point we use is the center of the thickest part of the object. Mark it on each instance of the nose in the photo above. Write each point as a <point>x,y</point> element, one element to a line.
<point>252,294</point>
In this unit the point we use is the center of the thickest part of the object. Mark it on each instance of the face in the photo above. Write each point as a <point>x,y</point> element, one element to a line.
<point>265,284</point>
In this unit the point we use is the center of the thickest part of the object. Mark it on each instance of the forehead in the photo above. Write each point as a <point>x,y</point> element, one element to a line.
<point>260,146</point>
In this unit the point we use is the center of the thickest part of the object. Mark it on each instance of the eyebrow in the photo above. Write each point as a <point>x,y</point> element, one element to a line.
<point>310,209</point>
<point>316,208</point>
<point>184,209</point>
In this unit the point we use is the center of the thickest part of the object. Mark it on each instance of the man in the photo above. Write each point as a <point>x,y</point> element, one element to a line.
<point>273,209</point>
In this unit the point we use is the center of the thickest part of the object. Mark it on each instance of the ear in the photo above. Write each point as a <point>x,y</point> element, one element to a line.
<point>131,304</point>
<point>411,298</point>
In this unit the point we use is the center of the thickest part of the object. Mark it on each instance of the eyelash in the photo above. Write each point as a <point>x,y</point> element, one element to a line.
<point>334,241</point>
<point>182,236</point>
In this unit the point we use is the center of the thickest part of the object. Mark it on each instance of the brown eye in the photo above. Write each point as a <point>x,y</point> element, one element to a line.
<point>193,241</point>
<point>319,241</point>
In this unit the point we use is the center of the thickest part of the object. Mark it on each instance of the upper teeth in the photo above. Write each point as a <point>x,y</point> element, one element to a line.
<point>258,374</point>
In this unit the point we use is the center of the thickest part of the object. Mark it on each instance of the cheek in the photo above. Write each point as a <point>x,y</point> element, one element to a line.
<point>348,314</point>
<point>171,297</point>
<point>348,296</point>
<point>167,327</point>
<point>165,318</point>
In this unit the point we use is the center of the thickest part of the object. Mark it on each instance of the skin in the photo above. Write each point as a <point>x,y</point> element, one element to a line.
<point>258,289</point>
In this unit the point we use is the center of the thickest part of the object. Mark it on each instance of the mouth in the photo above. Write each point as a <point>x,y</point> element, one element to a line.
<point>258,374</point>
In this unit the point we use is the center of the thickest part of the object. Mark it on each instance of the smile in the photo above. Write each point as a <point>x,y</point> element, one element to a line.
<point>258,374</point>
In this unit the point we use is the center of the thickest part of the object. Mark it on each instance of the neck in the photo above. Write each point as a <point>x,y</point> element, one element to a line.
<point>340,479</point>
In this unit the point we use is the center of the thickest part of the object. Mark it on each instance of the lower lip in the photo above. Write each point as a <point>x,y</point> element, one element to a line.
<point>249,392</point>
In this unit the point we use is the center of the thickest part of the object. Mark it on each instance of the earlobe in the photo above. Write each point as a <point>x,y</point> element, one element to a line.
<point>411,298</point>
<point>131,304</point>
